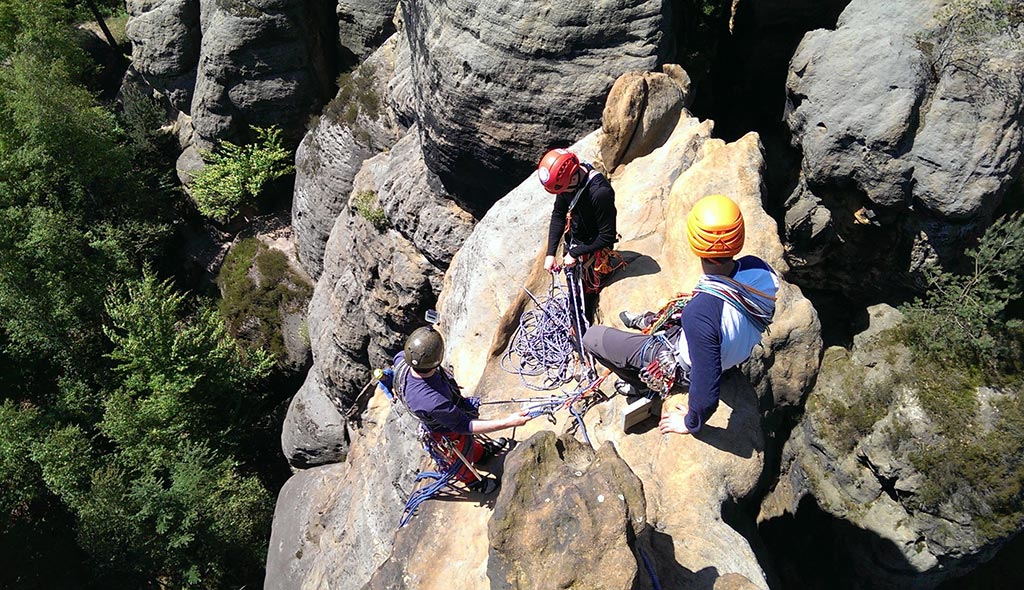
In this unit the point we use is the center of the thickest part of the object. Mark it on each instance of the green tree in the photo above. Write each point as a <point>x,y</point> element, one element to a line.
<point>234,175</point>
<point>76,213</point>
<point>158,493</point>
<point>965,318</point>
<point>181,376</point>
<point>19,429</point>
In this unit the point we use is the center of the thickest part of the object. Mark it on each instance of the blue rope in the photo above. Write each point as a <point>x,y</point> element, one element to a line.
<point>443,480</point>
<point>650,569</point>
<point>579,420</point>
<point>543,344</point>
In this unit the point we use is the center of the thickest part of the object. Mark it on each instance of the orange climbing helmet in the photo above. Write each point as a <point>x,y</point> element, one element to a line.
<point>714,227</point>
<point>556,170</point>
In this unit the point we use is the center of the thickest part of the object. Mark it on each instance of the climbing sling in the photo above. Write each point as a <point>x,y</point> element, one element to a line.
<point>755,306</point>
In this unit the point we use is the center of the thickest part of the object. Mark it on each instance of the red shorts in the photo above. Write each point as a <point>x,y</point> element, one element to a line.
<point>467,445</point>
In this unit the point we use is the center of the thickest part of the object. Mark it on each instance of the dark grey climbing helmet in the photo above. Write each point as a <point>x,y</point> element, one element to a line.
<point>424,350</point>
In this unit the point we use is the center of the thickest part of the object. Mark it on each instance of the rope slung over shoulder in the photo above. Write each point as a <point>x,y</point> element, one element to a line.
<point>754,305</point>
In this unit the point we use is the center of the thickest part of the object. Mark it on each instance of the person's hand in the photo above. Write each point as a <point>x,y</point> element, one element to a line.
<point>674,421</point>
<point>549,263</point>
<point>568,260</point>
<point>518,419</point>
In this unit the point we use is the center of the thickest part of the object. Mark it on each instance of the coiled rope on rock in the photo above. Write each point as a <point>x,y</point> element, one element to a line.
<point>546,344</point>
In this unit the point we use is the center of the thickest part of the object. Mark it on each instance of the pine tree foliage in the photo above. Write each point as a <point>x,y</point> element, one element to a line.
<point>127,411</point>
<point>964,318</point>
<point>234,175</point>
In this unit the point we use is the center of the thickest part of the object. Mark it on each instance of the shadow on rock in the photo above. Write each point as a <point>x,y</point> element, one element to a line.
<point>637,265</point>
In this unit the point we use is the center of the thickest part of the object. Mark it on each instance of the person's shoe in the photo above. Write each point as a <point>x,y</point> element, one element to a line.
<point>493,447</point>
<point>636,321</point>
<point>485,486</point>
<point>630,391</point>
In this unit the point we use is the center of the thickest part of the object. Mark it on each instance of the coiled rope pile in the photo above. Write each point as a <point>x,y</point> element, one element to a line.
<point>546,345</point>
<point>543,344</point>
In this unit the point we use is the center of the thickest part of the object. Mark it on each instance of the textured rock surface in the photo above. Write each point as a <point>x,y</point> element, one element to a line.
<point>262,62</point>
<point>853,452</point>
<point>376,283</point>
<point>349,509</point>
<point>332,152</point>
<point>567,517</point>
<point>363,25</point>
<point>910,134</point>
<point>638,103</point>
<point>496,83</point>
<point>165,46</point>
<point>686,480</point>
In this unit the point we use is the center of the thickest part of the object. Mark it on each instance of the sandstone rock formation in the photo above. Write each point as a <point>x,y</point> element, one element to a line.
<point>496,83</point>
<point>585,512</point>
<point>261,63</point>
<point>350,508</point>
<point>871,455</point>
<point>685,480</point>
<point>354,126</point>
<point>287,289</point>
<point>909,123</point>
<point>165,40</point>
<point>377,281</point>
<point>363,25</point>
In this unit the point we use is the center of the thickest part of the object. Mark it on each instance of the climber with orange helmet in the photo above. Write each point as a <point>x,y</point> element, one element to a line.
<point>583,216</point>
<point>732,305</point>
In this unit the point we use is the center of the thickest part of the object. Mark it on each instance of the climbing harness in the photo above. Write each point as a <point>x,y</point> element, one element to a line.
<point>594,267</point>
<point>660,373</point>
<point>545,345</point>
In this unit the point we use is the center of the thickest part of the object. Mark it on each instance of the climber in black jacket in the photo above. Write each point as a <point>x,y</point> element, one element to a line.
<point>583,215</point>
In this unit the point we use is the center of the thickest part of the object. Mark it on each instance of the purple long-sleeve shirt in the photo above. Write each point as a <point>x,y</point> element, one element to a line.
<point>440,407</point>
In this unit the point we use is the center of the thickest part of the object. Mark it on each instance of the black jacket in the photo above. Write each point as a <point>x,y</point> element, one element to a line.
<point>593,218</point>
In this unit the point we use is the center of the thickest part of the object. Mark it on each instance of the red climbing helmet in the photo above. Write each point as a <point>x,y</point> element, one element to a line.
<point>556,170</point>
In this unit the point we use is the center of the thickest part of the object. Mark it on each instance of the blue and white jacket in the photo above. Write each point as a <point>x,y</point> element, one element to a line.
<point>716,336</point>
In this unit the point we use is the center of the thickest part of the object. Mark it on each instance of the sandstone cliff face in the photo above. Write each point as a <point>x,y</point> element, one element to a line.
<point>363,25</point>
<point>165,46</point>
<point>647,493</point>
<point>496,83</point>
<point>226,65</point>
<point>358,123</point>
<point>411,63</point>
<point>864,451</point>
<point>377,281</point>
<point>910,130</point>
<point>261,63</point>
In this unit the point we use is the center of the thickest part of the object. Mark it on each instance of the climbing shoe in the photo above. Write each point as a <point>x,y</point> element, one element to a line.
<point>630,391</point>
<point>485,486</point>
<point>494,446</point>
<point>636,321</point>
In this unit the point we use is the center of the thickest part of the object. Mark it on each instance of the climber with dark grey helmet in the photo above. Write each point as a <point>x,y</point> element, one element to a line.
<point>450,419</point>
<point>732,306</point>
<point>583,217</point>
